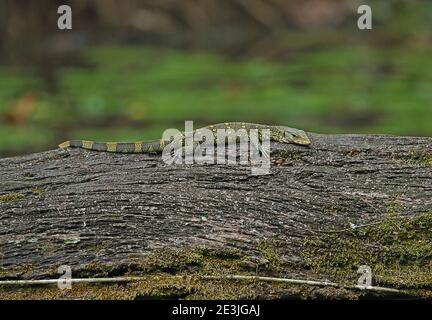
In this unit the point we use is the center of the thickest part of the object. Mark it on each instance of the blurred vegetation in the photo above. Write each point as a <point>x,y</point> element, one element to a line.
<point>324,79</point>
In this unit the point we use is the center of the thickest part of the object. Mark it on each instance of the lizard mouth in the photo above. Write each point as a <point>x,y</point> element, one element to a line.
<point>302,141</point>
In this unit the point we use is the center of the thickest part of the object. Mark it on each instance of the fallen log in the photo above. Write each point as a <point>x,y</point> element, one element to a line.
<point>322,212</point>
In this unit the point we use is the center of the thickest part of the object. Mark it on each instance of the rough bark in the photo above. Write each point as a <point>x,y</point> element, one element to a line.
<point>81,207</point>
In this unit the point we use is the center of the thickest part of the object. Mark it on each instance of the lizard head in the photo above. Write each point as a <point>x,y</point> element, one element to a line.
<point>292,135</point>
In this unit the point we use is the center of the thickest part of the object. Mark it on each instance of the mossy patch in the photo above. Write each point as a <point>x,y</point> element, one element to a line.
<point>416,158</point>
<point>187,261</point>
<point>289,155</point>
<point>398,250</point>
<point>269,251</point>
<point>37,190</point>
<point>352,152</point>
<point>183,274</point>
<point>180,274</point>
<point>330,210</point>
<point>14,272</point>
<point>394,208</point>
<point>11,197</point>
<point>170,287</point>
<point>196,260</point>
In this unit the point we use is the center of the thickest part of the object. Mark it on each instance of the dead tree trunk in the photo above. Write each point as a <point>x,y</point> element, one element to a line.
<point>88,209</point>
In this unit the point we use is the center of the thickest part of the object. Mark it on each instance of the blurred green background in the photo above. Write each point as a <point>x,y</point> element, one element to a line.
<point>130,69</point>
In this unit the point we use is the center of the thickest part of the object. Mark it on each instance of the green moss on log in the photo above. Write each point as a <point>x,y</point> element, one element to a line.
<point>398,249</point>
<point>11,197</point>
<point>416,158</point>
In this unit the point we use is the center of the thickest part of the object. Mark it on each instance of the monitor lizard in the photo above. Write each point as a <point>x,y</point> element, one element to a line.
<point>277,133</point>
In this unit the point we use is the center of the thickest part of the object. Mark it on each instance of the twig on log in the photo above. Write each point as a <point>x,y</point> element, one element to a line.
<point>234,277</point>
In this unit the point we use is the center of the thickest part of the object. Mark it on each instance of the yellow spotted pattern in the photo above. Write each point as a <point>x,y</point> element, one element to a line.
<point>86,144</point>
<point>138,147</point>
<point>111,146</point>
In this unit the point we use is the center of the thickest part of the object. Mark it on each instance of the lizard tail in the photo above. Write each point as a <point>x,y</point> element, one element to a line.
<point>152,146</point>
